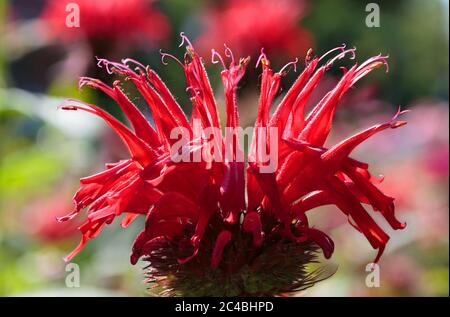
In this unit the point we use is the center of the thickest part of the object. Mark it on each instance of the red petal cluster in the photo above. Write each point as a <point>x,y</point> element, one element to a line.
<point>179,199</point>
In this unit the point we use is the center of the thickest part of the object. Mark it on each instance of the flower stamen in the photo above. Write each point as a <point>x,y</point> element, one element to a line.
<point>294,65</point>
<point>139,65</point>
<point>341,48</point>
<point>184,39</point>
<point>262,59</point>
<point>164,55</point>
<point>341,56</point>
<point>229,53</point>
<point>215,54</point>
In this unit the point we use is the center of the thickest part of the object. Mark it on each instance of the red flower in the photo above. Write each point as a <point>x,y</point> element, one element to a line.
<point>183,200</point>
<point>129,20</point>
<point>248,25</point>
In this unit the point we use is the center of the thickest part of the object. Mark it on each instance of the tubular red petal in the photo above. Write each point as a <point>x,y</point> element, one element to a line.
<point>376,198</point>
<point>128,219</point>
<point>322,240</point>
<point>254,192</point>
<point>282,112</point>
<point>318,123</point>
<point>333,157</point>
<point>297,120</point>
<point>94,186</point>
<point>174,108</point>
<point>232,190</point>
<point>350,205</point>
<point>233,184</point>
<point>77,250</point>
<point>197,79</point>
<point>138,149</point>
<point>270,83</point>
<point>230,80</point>
<point>312,200</point>
<point>88,230</point>
<point>166,112</point>
<point>164,119</point>
<point>268,184</point>
<point>114,202</point>
<point>142,127</point>
<point>369,65</point>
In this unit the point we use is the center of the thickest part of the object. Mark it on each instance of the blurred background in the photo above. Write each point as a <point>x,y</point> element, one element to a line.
<point>44,151</point>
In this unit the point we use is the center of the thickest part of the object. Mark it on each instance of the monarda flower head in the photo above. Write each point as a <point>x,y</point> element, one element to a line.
<point>219,223</point>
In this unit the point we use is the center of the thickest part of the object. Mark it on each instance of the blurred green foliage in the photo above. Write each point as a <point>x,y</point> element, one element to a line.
<point>3,6</point>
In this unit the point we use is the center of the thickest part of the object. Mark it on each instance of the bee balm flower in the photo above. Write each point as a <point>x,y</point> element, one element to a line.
<point>218,218</point>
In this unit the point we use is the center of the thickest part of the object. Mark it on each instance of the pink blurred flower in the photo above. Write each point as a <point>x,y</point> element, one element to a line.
<point>248,25</point>
<point>129,21</point>
<point>40,219</point>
